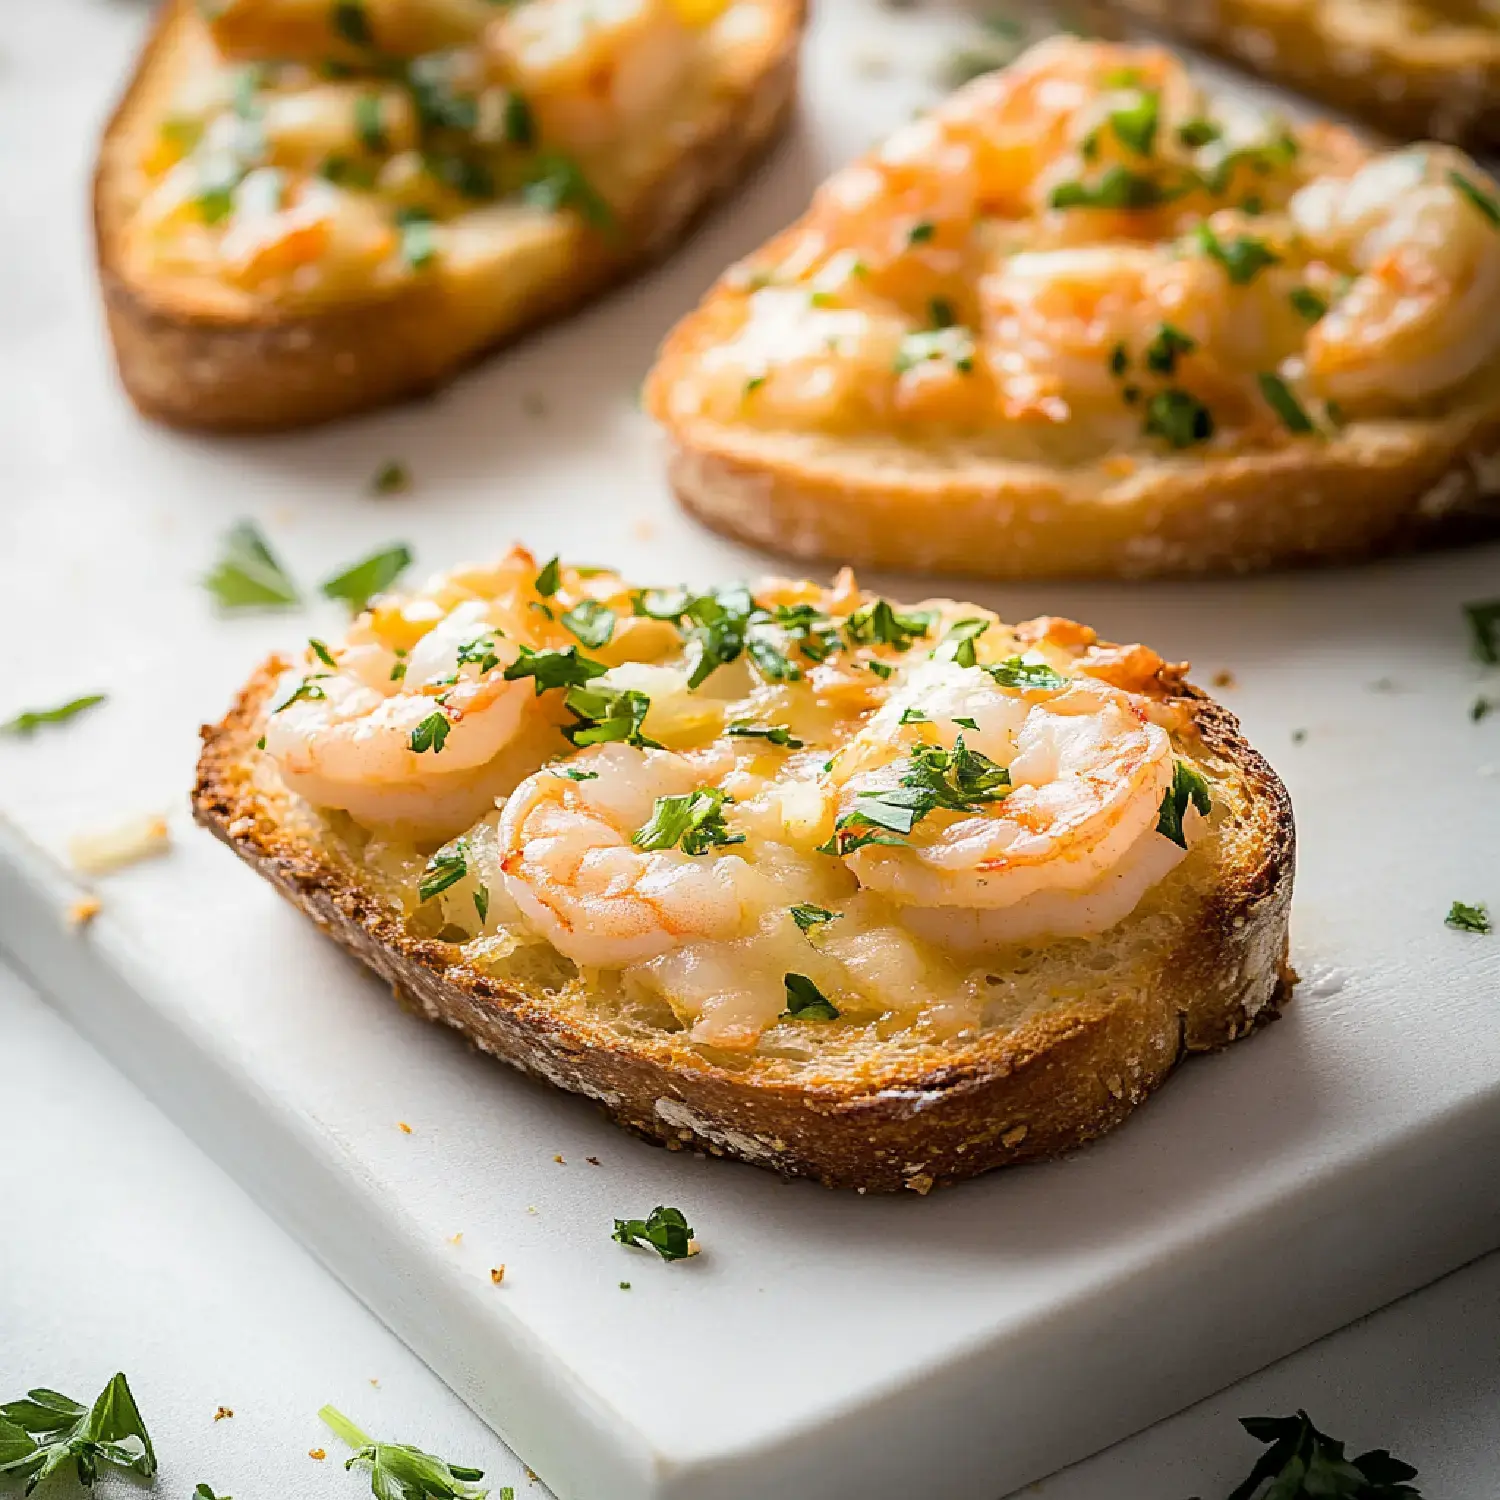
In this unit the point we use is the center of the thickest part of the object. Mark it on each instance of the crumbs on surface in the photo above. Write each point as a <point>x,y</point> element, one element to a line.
<point>102,850</point>
<point>222,1412</point>
<point>497,1274</point>
<point>456,1239</point>
<point>559,1159</point>
<point>1224,678</point>
<point>83,911</point>
<point>403,1127</point>
<point>593,1161</point>
<point>317,1453</point>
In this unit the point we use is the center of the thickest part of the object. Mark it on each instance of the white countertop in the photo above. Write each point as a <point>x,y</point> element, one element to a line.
<point>124,1248</point>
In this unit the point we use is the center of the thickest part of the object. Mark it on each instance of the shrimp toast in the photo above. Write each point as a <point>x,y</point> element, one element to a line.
<point>884,896</point>
<point>302,213</point>
<point>1417,68</point>
<point>1086,320</point>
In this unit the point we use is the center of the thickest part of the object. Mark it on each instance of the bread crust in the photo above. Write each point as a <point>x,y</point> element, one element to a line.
<point>274,370</point>
<point>931,1118</point>
<point>1442,84</point>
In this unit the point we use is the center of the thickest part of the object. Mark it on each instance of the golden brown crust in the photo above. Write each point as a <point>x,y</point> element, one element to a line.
<point>916,1120</point>
<point>1441,83</point>
<point>273,371</point>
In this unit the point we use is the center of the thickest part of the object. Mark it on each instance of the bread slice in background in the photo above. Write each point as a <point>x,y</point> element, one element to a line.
<point>1102,1022</point>
<point>207,356</point>
<point>1404,65</point>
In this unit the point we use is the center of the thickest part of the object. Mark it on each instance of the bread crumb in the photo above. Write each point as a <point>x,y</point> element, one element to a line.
<point>403,1127</point>
<point>374,1382</point>
<point>497,1274</point>
<point>920,1183</point>
<point>317,1453</point>
<point>559,1160</point>
<point>102,850</point>
<point>223,1412</point>
<point>531,1208</point>
<point>1013,1137</point>
<point>84,910</point>
<point>1224,678</point>
<point>593,1161</point>
<point>694,1248</point>
<point>456,1239</point>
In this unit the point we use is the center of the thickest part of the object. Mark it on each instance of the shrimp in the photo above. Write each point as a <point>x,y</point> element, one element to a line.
<point>348,738</point>
<point>593,69</point>
<point>1071,847</point>
<point>1423,312</point>
<point>572,868</point>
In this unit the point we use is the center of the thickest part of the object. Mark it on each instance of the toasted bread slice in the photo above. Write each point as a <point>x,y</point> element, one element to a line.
<point>1079,1033</point>
<point>200,349</point>
<point>1421,69</point>
<point>977,379</point>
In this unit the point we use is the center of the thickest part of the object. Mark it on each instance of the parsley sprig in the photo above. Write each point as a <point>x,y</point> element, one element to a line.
<point>46,1431</point>
<point>694,823</point>
<point>1466,918</point>
<point>357,584</point>
<point>1188,786</point>
<point>248,575</point>
<point>958,780</point>
<point>399,1471</point>
<point>664,1230</point>
<point>1301,1463</point>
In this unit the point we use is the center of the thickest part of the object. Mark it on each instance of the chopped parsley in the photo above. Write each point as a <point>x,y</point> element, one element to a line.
<point>430,734</point>
<point>369,123</point>
<point>321,651</point>
<point>958,644</point>
<point>1196,133</point>
<point>32,719</point>
<point>940,312</point>
<point>1179,417</point>
<point>815,634</point>
<point>447,867</point>
<point>592,622</point>
<point>1243,258</point>
<point>881,669</point>
<point>1307,303</point>
<point>806,1002</point>
<point>1030,675</point>
<point>1280,399</point>
<point>391,478</point>
<point>358,584</point>
<point>664,1230</point>
<point>1117,188</point>
<point>559,183</point>
<point>879,624</point>
<point>946,342</point>
<point>247,575</point>
<point>1468,918</point>
<point>561,668</point>
<point>607,715</point>
<point>1119,360</point>
<point>572,773</point>
<point>349,21</point>
<point>661,604</point>
<point>807,916</point>
<point>307,688</point>
<point>914,716</point>
<point>401,1472</point>
<point>1486,203</point>
<point>1167,345</point>
<point>1135,124</point>
<point>482,903</point>
<point>480,652</point>
<point>920,232</point>
<point>418,236</point>
<point>44,1432</point>
<point>1188,786</point>
<point>959,780</point>
<point>775,734</point>
<point>694,823</point>
<point>549,579</point>
<point>1484,630</point>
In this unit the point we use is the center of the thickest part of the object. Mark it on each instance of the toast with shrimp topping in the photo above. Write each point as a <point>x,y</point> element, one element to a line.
<point>304,211</point>
<point>1085,319</point>
<point>881,895</point>
<point>1417,68</point>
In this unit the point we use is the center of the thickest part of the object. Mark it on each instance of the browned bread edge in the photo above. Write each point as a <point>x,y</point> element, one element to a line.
<point>277,372</point>
<point>1045,1088</point>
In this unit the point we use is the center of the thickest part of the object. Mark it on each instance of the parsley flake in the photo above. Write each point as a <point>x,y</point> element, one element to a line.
<point>945,342</point>
<point>349,21</point>
<point>592,622</point>
<point>1484,630</point>
<point>1179,417</point>
<point>958,644</point>
<point>548,580</point>
<point>32,719</point>
<point>430,734</point>
<point>1280,399</point>
<point>878,623</point>
<point>694,823</point>
<point>1307,303</point>
<point>1167,345</point>
<point>1135,124</point>
<point>806,1002</point>
<point>920,232</point>
<point>1243,257</point>
<point>1466,918</point>
<point>1487,204</point>
<point>1117,188</point>
<point>560,668</point>
<point>1014,672</point>
<point>1187,786</point>
<point>447,867</point>
<point>358,584</point>
<point>606,715</point>
<point>391,478</point>
<point>247,574</point>
<point>807,916</point>
<point>775,734</point>
<point>664,1230</point>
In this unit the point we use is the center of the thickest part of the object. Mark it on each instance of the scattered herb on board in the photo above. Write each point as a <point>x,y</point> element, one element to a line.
<point>1484,630</point>
<point>664,1230</point>
<point>247,574</point>
<point>28,721</point>
<point>1188,786</point>
<point>401,1472</point>
<point>391,478</point>
<point>1466,918</point>
<point>45,1431</point>
<point>205,1492</point>
<point>1301,1463</point>
<point>806,1002</point>
<point>372,575</point>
